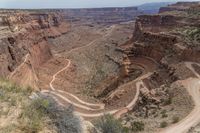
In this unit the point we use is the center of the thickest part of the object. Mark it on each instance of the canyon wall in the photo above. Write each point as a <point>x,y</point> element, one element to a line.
<point>157,20</point>
<point>150,44</point>
<point>152,36</point>
<point>164,42</point>
<point>179,6</point>
<point>164,39</point>
<point>111,15</point>
<point>25,33</point>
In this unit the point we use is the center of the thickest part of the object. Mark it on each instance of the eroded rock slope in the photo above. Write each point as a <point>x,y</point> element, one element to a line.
<point>26,33</point>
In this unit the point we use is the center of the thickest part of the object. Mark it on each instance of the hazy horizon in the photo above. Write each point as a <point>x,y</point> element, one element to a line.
<point>38,4</point>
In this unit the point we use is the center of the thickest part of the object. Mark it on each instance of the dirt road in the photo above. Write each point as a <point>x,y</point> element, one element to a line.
<point>193,87</point>
<point>101,106</point>
<point>83,105</point>
<point>97,109</point>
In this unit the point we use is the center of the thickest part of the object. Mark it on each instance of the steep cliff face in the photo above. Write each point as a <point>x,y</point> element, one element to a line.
<point>157,23</point>
<point>157,20</point>
<point>151,44</point>
<point>111,15</point>
<point>26,33</point>
<point>179,6</point>
<point>157,36</point>
<point>167,39</point>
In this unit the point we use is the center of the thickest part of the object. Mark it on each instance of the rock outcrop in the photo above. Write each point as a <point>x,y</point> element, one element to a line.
<point>154,36</point>
<point>169,39</point>
<point>27,32</point>
<point>159,37</point>
<point>179,6</point>
<point>111,15</point>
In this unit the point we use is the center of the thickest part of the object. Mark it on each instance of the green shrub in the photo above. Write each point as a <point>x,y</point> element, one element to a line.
<point>164,114</point>
<point>163,124</point>
<point>125,130</point>
<point>175,119</point>
<point>8,129</point>
<point>35,115</point>
<point>108,124</point>
<point>137,126</point>
<point>65,120</point>
<point>168,101</point>
<point>42,109</point>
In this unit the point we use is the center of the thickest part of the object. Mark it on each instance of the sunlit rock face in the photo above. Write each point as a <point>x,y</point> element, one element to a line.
<point>26,32</point>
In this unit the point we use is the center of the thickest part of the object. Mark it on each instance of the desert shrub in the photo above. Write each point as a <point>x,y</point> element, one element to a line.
<point>108,124</point>
<point>175,119</point>
<point>34,115</point>
<point>168,101</point>
<point>163,124</point>
<point>126,130</point>
<point>137,126</point>
<point>62,119</point>
<point>65,120</point>
<point>193,34</point>
<point>164,113</point>
<point>8,129</point>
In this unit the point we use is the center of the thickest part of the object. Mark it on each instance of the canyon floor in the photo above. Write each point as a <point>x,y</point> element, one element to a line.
<point>145,73</point>
<point>85,65</point>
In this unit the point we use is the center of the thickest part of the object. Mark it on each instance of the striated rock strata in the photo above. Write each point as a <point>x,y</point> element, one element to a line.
<point>26,33</point>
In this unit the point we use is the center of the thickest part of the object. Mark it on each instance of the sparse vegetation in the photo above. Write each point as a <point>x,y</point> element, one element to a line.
<point>168,101</point>
<point>126,130</point>
<point>108,124</point>
<point>164,114</point>
<point>137,126</point>
<point>163,124</point>
<point>191,35</point>
<point>33,116</point>
<point>175,119</point>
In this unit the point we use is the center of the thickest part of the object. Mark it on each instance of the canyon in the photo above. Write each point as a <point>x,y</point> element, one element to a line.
<point>138,68</point>
<point>106,16</point>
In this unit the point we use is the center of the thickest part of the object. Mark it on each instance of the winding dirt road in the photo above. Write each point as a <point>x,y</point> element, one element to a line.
<point>90,106</point>
<point>89,109</point>
<point>54,91</point>
<point>193,87</point>
<point>92,110</point>
<point>191,84</point>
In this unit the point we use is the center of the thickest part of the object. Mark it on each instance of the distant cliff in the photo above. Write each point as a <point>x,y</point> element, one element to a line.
<point>179,6</point>
<point>152,8</point>
<point>102,15</point>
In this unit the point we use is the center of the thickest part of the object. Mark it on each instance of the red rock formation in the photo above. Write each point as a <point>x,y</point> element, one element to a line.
<point>191,55</point>
<point>151,44</point>
<point>26,33</point>
<point>157,20</point>
<point>109,15</point>
<point>152,35</point>
<point>153,38</point>
<point>179,6</point>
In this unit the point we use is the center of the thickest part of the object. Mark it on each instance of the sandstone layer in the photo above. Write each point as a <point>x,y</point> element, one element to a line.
<point>26,33</point>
